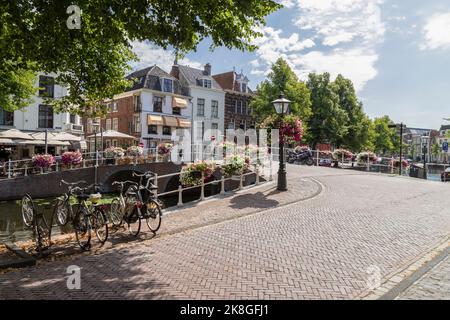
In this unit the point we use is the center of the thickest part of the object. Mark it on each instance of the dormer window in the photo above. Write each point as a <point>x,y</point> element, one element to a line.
<point>168,85</point>
<point>243,87</point>
<point>206,83</point>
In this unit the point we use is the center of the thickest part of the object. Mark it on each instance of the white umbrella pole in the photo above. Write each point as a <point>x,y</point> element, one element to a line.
<point>46,141</point>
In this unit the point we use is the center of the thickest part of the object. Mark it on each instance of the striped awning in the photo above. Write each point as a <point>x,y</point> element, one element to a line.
<point>179,103</point>
<point>183,123</point>
<point>170,121</point>
<point>154,120</point>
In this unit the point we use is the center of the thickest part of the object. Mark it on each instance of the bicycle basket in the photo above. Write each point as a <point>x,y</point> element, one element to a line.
<point>95,198</point>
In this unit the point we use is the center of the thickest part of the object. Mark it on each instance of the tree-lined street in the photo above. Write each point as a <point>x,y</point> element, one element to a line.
<point>321,248</point>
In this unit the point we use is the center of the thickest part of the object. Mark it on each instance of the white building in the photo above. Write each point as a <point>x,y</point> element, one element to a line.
<point>208,102</point>
<point>38,116</point>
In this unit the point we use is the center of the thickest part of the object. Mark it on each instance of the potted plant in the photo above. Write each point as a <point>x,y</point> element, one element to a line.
<point>234,167</point>
<point>164,149</point>
<point>135,151</point>
<point>192,173</point>
<point>70,158</point>
<point>43,161</point>
<point>113,153</point>
<point>363,157</point>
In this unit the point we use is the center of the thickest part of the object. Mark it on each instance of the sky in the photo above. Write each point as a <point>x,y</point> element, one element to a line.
<point>396,52</point>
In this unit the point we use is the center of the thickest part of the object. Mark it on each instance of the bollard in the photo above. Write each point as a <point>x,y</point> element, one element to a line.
<point>26,171</point>
<point>257,175</point>
<point>202,193</point>
<point>180,196</point>
<point>270,169</point>
<point>317,157</point>
<point>9,169</point>
<point>222,185</point>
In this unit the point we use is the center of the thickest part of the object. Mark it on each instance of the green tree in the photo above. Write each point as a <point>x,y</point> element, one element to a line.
<point>281,79</point>
<point>435,150</point>
<point>357,136</point>
<point>328,122</point>
<point>93,60</point>
<point>385,139</point>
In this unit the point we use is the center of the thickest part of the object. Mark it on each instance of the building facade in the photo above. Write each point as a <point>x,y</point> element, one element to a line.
<point>208,102</point>
<point>238,95</point>
<point>154,110</point>
<point>38,116</point>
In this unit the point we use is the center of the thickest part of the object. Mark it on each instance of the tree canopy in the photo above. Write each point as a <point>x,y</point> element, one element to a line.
<point>93,60</point>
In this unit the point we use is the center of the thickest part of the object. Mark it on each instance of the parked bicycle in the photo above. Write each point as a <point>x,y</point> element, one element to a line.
<point>87,218</point>
<point>121,205</point>
<point>37,221</point>
<point>140,203</point>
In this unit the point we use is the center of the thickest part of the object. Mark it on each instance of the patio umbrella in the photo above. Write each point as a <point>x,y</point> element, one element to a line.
<point>112,134</point>
<point>15,134</point>
<point>41,135</point>
<point>6,141</point>
<point>64,136</point>
<point>31,142</point>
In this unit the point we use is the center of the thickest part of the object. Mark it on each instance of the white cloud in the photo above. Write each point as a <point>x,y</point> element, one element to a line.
<point>150,54</point>
<point>341,36</point>
<point>437,32</point>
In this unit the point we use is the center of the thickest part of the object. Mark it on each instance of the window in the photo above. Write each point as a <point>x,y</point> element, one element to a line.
<point>115,124</point>
<point>200,130</point>
<point>157,104</point>
<point>206,83</point>
<point>168,85</point>
<point>214,109</point>
<point>137,103</point>
<point>46,87</point>
<point>214,127</point>
<point>176,110</point>
<point>108,124</point>
<point>6,118</point>
<point>244,107</point>
<point>152,129</point>
<point>137,123</point>
<point>167,131</point>
<point>114,143</point>
<point>244,87</point>
<point>249,110</point>
<point>115,106</point>
<point>89,125</point>
<point>45,116</point>
<point>239,107</point>
<point>200,107</point>
<point>72,119</point>
<point>231,125</point>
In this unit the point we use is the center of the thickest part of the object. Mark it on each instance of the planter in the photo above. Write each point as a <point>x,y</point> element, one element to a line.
<point>236,177</point>
<point>110,161</point>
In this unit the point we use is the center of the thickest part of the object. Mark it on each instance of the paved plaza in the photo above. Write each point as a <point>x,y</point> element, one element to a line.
<point>318,241</point>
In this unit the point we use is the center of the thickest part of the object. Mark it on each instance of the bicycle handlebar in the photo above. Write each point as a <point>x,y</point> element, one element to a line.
<point>147,174</point>
<point>71,184</point>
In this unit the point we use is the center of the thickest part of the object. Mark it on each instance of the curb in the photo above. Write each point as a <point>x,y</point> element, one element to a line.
<point>25,260</point>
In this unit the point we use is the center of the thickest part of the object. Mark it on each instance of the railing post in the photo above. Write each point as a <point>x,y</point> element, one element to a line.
<point>56,166</point>
<point>222,185</point>
<point>180,195</point>
<point>270,169</point>
<point>84,163</point>
<point>241,183</point>
<point>202,193</point>
<point>96,159</point>
<point>156,184</point>
<point>9,169</point>
<point>257,175</point>
<point>368,163</point>
<point>26,171</point>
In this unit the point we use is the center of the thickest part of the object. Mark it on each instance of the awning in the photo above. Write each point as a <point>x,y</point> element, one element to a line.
<point>183,123</point>
<point>6,141</point>
<point>178,102</point>
<point>170,121</point>
<point>31,142</point>
<point>154,120</point>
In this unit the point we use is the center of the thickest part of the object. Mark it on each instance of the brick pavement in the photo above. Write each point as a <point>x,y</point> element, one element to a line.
<point>316,249</point>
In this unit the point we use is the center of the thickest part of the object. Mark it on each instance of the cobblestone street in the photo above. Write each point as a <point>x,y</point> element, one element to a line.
<point>318,243</point>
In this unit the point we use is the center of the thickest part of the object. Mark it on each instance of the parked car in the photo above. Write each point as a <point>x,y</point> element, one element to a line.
<point>445,176</point>
<point>325,162</point>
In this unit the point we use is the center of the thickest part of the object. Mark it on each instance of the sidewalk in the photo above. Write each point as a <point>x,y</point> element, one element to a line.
<point>195,215</point>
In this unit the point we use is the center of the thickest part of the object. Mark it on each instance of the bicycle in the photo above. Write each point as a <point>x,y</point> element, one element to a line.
<point>64,212</point>
<point>144,201</point>
<point>86,219</point>
<point>37,221</point>
<point>120,205</point>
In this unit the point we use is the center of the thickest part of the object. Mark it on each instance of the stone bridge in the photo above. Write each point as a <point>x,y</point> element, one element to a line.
<point>47,185</point>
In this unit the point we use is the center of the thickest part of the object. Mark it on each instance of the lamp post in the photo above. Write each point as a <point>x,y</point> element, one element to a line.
<point>402,126</point>
<point>96,125</point>
<point>424,156</point>
<point>282,107</point>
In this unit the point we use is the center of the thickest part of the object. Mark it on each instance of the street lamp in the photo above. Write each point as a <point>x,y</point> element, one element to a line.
<point>282,107</point>
<point>96,125</point>
<point>402,126</point>
<point>424,155</point>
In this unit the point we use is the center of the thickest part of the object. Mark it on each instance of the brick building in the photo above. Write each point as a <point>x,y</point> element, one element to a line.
<point>237,100</point>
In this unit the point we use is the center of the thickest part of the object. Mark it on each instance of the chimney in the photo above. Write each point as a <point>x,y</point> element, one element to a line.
<point>208,69</point>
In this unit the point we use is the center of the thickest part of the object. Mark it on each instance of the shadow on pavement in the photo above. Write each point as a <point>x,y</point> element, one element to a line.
<point>255,200</point>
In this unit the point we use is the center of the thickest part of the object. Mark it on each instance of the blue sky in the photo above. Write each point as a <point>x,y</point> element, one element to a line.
<point>397,52</point>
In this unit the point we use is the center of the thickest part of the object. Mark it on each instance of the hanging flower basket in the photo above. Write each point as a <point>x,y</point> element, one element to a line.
<point>291,127</point>
<point>339,153</point>
<point>43,161</point>
<point>135,151</point>
<point>192,173</point>
<point>70,158</point>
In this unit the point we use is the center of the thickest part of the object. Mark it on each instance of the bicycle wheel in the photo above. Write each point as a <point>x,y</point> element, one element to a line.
<point>116,212</point>
<point>83,228</point>
<point>42,234</point>
<point>28,210</point>
<point>100,225</point>
<point>134,222</point>
<point>63,211</point>
<point>153,216</point>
